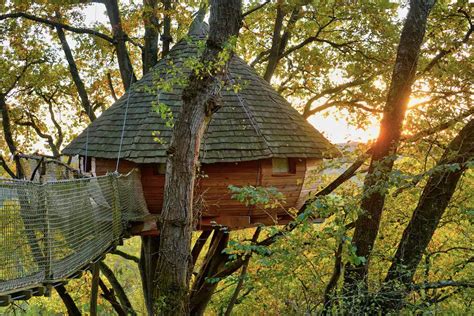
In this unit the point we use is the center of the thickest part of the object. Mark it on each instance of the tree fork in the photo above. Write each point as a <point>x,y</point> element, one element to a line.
<point>118,289</point>
<point>215,259</point>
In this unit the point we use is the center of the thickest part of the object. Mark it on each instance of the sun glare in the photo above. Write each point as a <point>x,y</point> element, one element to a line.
<point>339,130</point>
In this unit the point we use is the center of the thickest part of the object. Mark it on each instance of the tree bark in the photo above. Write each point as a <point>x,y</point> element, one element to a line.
<point>150,49</point>
<point>243,273</point>
<point>200,100</point>
<point>120,38</point>
<point>202,288</point>
<point>110,296</point>
<point>276,41</point>
<point>199,244</point>
<point>382,160</point>
<point>7,132</point>
<point>72,309</point>
<point>166,37</point>
<point>433,202</point>
<point>118,289</point>
<point>94,289</point>
<point>148,259</point>
<point>81,90</point>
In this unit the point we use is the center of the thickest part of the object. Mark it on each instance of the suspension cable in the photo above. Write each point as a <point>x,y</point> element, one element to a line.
<point>124,123</point>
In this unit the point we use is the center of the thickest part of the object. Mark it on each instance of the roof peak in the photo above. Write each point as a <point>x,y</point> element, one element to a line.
<point>198,26</point>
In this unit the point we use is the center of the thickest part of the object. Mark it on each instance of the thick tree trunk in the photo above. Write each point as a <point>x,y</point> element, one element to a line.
<point>431,207</point>
<point>81,90</point>
<point>150,49</point>
<point>383,153</point>
<point>125,66</point>
<point>199,102</point>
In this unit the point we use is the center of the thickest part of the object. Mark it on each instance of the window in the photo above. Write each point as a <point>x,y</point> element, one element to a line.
<point>159,169</point>
<point>283,166</point>
<point>86,164</point>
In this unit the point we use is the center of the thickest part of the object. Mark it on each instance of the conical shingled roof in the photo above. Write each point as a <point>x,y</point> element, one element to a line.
<point>253,123</point>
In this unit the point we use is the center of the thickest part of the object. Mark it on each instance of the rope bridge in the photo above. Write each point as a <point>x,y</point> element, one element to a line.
<point>49,231</point>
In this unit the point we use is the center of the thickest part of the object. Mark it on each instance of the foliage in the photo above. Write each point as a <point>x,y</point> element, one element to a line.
<point>337,61</point>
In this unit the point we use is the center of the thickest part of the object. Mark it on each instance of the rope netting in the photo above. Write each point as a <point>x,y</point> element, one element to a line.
<point>49,231</point>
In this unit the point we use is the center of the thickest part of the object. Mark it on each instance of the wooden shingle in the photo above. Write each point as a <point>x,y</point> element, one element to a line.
<point>253,123</point>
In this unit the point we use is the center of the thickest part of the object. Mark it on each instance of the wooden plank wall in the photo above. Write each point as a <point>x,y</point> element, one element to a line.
<point>311,181</point>
<point>289,184</point>
<point>102,166</point>
<point>212,196</point>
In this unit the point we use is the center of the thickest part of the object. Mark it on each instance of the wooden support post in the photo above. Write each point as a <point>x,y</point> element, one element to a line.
<point>94,289</point>
<point>39,291</point>
<point>5,300</point>
<point>24,295</point>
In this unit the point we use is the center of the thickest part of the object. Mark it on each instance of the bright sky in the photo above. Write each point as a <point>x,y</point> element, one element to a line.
<point>338,130</point>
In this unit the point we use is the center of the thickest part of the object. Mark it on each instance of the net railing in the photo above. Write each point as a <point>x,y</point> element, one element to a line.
<point>49,231</point>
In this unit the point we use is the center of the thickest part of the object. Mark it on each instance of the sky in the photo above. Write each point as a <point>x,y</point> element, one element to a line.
<point>333,126</point>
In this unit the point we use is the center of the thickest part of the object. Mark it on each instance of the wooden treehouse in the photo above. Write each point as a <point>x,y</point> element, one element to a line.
<point>256,138</point>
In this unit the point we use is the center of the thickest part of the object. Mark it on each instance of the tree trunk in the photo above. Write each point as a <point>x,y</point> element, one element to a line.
<point>199,102</point>
<point>94,289</point>
<point>125,66</point>
<point>431,207</point>
<point>276,41</point>
<point>166,37</point>
<point>81,90</point>
<point>150,49</point>
<point>203,289</point>
<point>280,41</point>
<point>148,259</point>
<point>7,132</point>
<point>383,153</point>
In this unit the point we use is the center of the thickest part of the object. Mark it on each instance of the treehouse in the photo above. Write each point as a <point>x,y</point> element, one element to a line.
<point>256,138</point>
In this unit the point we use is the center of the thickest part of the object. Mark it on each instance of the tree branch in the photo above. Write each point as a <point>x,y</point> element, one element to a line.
<point>442,284</point>
<point>335,89</point>
<point>81,90</point>
<point>258,7</point>
<point>126,255</point>
<point>438,128</point>
<point>243,273</point>
<point>199,244</point>
<point>72,309</point>
<point>349,103</point>
<point>111,86</point>
<point>110,296</point>
<point>70,28</point>
<point>5,166</point>
<point>444,52</point>
<point>118,289</point>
